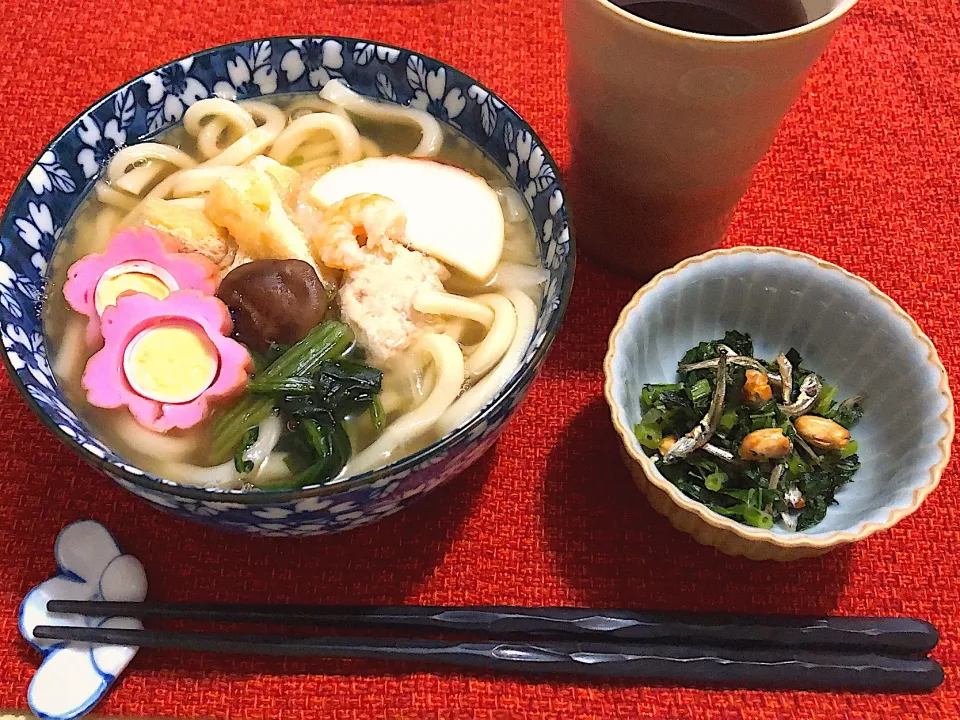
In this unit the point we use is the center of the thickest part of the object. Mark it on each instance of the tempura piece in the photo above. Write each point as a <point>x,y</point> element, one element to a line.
<point>190,226</point>
<point>248,206</point>
<point>286,178</point>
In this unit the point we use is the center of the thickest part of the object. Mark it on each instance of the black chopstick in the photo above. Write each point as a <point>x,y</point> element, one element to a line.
<point>893,635</point>
<point>686,664</point>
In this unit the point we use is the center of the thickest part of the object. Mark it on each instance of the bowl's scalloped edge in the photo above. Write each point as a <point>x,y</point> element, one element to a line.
<point>725,534</point>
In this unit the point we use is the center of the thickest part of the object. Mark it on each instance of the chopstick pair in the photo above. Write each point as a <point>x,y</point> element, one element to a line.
<point>763,651</point>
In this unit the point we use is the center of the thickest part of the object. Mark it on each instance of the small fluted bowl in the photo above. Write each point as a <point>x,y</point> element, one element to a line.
<point>58,180</point>
<point>846,330</point>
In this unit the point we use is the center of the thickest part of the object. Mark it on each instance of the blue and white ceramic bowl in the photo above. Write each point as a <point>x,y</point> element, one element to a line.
<point>846,329</point>
<point>57,182</point>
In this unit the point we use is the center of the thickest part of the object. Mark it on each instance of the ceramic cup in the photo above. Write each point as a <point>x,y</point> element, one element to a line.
<point>666,126</point>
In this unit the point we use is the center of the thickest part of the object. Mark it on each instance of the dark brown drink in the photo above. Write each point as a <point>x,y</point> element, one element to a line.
<point>722,17</point>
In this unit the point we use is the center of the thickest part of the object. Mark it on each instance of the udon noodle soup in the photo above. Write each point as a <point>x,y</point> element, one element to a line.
<point>288,292</point>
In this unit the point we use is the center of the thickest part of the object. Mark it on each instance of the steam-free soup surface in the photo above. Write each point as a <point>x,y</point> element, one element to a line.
<point>381,274</point>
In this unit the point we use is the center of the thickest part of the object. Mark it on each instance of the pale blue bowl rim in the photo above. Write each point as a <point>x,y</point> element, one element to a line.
<point>268,497</point>
<point>799,539</point>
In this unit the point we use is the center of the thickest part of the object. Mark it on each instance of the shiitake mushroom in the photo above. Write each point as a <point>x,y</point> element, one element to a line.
<point>273,302</point>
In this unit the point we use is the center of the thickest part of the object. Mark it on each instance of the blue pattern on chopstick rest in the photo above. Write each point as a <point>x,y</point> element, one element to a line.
<point>90,566</point>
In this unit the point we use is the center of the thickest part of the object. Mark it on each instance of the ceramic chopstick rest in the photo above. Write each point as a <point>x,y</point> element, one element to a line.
<point>73,677</point>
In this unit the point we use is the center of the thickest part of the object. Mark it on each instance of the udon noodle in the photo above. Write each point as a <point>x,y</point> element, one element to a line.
<point>455,342</point>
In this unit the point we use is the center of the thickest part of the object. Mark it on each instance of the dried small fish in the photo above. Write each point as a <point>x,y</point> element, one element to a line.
<point>794,498</point>
<point>775,476</point>
<point>704,429</point>
<point>732,359</point>
<point>786,377</point>
<point>850,402</point>
<point>802,444</point>
<point>809,392</point>
<point>719,452</point>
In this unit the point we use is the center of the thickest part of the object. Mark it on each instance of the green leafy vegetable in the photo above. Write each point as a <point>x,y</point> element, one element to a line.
<point>239,461</point>
<point>796,466</point>
<point>378,416</point>
<point>263,360</point>
<point>850,449</point>
<point>727,421</point>
<point>714,481</point>
<point>282,388</point>
<point>339,389</point>
<point>315,406</point>
<point>819,488</point>
<point>742,489</point>
<point>748,515</point>
<point>345,387</point>
<point>700,389</point>
<point>648,435</point>
<point>327,341</point>
<point>651,393</point>
<point>849,412</point>
<point>825,400</point>
<point>768,416</point>
<point>321,438</point>
<point>739,342</point>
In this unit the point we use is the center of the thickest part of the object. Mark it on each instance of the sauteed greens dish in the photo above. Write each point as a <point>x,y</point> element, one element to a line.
<point>755,440</point>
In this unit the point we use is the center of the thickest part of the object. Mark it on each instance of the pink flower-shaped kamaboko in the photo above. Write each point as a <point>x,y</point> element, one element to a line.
<point>139,250</point>
<point>105,378</point>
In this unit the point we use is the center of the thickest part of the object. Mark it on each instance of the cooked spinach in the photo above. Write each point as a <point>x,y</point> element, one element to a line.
<point>240,461</point>
<point>314,408</point>
<point>346,387</point>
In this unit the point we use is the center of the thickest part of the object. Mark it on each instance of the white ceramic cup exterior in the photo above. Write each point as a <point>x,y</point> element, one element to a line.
<point>666,126</point>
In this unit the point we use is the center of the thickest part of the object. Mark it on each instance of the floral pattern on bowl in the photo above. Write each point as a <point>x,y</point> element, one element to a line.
<point>57,182</point>
<point>90,566</point>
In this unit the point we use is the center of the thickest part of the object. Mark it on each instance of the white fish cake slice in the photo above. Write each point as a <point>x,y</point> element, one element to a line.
<point>452,215</point>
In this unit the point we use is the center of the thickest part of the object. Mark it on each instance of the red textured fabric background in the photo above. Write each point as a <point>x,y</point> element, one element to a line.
<point>865,173</point>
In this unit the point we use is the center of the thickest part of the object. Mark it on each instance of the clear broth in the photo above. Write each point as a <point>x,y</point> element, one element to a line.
<point>81,238</point>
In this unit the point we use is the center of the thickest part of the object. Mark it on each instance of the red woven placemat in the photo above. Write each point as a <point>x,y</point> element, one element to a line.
<point>865,173</point>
